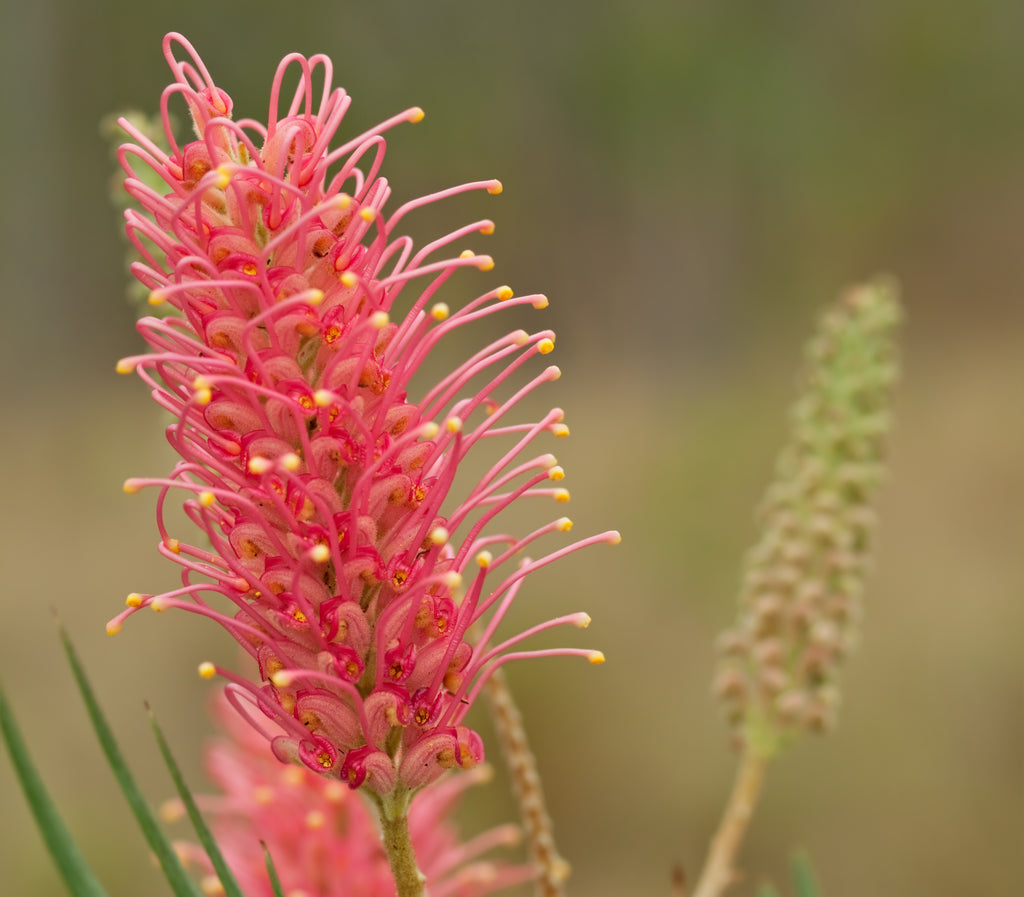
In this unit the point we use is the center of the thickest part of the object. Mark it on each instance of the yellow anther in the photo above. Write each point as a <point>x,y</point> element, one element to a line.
<point>563,524</point>
<point>281,679</point>
<point>259,465</point>
<point>320,553</point>
<point>614,537</point>
<point>556,473</point>
<point>334,792</point>
<point>263,795</point>
<point>379,320</point>
<point>439,535</point>
<point>342,201</point>
<point>520,337</point>
<point>440,311</point>
<point>133,600</point>
<point>547,460</point>
<point>348,279</point>
<point>207,670</point>
<point>429,430</point>
<point>484,559</point>
<point>203,396</point>
<point>131,486</point>
<point>494,187</point>
<point>322,398</point>
<point>595,657</point>
<point>467,254</point>
<point>223,176</point>
<point>546,346</point>
<point>158,605</point>
<point>416,114</point>
<point>207,499</point>
<point>211,886</point>
<point>582,621</point>
<point>315,297</point>
<point>554,372</point>
<point>504,293</point>
<point>562,495</point>
<point>315,819</point>
<point>293,776</point>
<point>171,811</point>
<point>173,546</point>
<point>560,430</point>
<point>367,214</point>
<point>156,298</point>
<point>484,262</point>
<point>290,461</point>
<point>487,228</point>
<point>113,627</point>
<point>452,579</point>
<point>125,366</point>
<point>453,424</point>
<point>540,302</point>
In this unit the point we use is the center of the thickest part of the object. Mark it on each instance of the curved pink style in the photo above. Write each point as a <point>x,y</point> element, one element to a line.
<point>366,584</point>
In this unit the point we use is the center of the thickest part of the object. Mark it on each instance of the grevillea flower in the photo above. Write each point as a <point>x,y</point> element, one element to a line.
<point>338,548</point>
<point>321,836</point>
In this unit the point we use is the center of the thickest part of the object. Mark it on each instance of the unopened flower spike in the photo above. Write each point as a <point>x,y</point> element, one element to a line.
<point>801,597</point>
<point>298,318</point>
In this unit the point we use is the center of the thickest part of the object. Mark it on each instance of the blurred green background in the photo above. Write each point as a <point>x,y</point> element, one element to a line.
<point>689,182</point>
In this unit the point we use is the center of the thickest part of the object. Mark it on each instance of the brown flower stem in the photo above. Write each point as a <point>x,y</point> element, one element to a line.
<point>719,870</point>
<point>394,825</point>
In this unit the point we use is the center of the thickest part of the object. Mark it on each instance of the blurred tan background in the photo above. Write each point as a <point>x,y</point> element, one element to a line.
<point>689,182</point>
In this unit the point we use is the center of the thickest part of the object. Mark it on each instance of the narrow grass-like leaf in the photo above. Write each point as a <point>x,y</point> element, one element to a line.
<point>70,863</point>
<point>803,877</point>
<point>174,872</point>
<point>275,882</point>
<point>227,879</point>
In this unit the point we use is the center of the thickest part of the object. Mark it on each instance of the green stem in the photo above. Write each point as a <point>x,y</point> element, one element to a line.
<point>394,824</point>
<point>719,868</point>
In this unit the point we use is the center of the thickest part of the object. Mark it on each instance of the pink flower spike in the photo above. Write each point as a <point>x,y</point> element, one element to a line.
<point>336,540</point>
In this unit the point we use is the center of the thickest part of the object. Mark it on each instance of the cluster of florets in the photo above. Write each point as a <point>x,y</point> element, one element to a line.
<point>322,838</point>
<point>800,601</point>
<point>344,563</point>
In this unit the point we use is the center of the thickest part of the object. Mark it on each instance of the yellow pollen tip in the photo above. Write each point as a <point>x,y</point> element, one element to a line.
<point>520,337</point>
<point>207,670</point>
<point>484,559</point>
<point>133,600</point>
<point>171,811</point>
<point>429,430</point>
<point>367,214</point>
<point>467,254</point>
<point>290,461</point>
<point>203,396</point>
<point>440,311</point>
<point>563,524</point>
<point>614,537</point>
<point>562,495</point>
<point>131,486</point>
<point>452,579</point>
<point>281,679</point>
<point>379,320</point>
<point>322,398</point>
<point>546,346</point>
<point>541,302</point>
<point>560,430</point>
<point>156,298</point>
<point>263,795</point>
<point>487,228</point>
<point>259,465</point>
<point>416,114</point>
<point>453,424</point>
<point>348,279</point>
<point>223,176</point>
<point>173,546</point>
<point>320,553</point>
<point>342,201</point>
<point>484,262</point>
<point>206,499</point>
<point>595,657</point>
<point>211,886</point>
<point>554,372</point>
<point>315,819</point>
<point>494,187</point>
<point>124,366</point>
<point>158,605</point>
<point>315,297</point>
<point>556,473</point>
<point>439,535</point>
<point>504,294</point>
<point>113,627</point>
<point>582,621</point>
